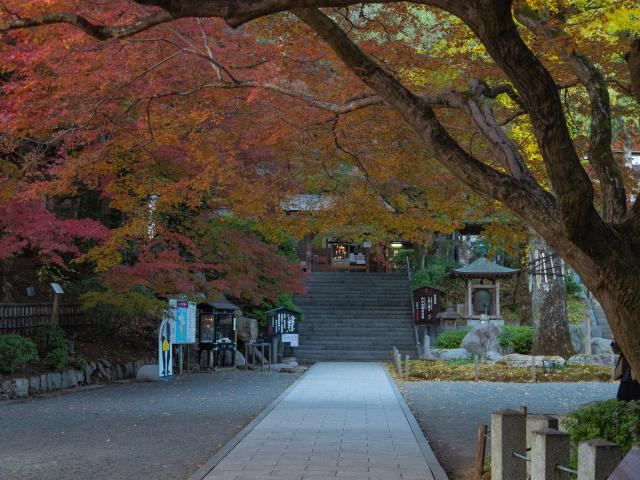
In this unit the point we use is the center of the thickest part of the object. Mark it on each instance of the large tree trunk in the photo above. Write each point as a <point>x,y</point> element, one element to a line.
<point>548,301</point>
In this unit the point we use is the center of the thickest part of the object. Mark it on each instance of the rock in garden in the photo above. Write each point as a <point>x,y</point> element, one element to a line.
<point>43,383</point>
<point>148,373</point>
<point>293,370</point>
<point>482,338</point>
<point>455,354</point>
<point>73,378</point>
<point>584,359</point>
<point>34,385</point>
<point>492,357</point>
<point>240,360</point>
<point>8,389</point>
<point>518,360</point>
<point>601,345</point>
<point>79,377</point>
<point>21,387</point>
<point>54,381</point>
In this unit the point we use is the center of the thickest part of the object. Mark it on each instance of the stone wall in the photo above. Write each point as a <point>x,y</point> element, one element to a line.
<point>102,371</point>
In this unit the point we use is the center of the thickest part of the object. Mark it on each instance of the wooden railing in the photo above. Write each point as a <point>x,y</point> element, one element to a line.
<point>20,317</point>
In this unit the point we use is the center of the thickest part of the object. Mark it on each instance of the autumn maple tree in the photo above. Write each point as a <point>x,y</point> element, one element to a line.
<point>519,101</point>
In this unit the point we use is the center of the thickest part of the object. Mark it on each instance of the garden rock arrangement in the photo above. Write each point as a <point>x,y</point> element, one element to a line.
<point>599,359</point>
<point>102,371</point>
<point>446,354</point>
<point>482,338</point>
<point>518,360</point>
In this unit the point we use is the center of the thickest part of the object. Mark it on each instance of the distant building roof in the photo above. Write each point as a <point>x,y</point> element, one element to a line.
<point>483,268</point>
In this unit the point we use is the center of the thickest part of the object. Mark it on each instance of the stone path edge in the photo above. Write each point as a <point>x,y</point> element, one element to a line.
<point>205,469</point>
<point>435,467</point>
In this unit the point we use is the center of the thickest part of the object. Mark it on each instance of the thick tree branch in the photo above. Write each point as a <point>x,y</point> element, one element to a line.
<point>101,32</point>
<point>527,199</point>
<point>614,199</point>
<point>493,23</point>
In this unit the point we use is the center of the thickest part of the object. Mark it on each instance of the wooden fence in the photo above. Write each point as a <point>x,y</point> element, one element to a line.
<point>24,317</point>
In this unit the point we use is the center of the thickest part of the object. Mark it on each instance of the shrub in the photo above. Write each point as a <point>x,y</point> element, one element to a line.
<point>572,287</point>
<point>80,363</point>
<point>53,342</point>
<point>16,350</point>
<point>520,338</point>
<point>452,338</point>
<point>611,420</point>
<point>57,359</point>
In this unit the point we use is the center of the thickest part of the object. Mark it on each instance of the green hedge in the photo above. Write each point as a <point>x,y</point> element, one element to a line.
<point>520,338</point>
<point>452,338</point>
<point>54,343</point>
<point>611,420</point>
<point>15,351</point>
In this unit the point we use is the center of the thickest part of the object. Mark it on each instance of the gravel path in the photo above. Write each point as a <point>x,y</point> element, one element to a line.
<point>132,431</point>
<point>449,412</point>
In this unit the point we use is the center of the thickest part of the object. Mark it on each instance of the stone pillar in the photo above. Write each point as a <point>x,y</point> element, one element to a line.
<point>537,422</point>
<point>507,436</point>
<point>550,448</point>
<point>497,307</point>
<point>597,459</point>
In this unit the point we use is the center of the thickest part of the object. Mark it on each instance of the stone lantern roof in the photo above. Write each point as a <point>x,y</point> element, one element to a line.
<point>482,268</point>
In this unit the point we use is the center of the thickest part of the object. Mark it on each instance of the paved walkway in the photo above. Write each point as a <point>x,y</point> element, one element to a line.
<point>341,420</point>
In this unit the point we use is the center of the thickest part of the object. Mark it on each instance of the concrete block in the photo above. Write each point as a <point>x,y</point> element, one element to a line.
<point>597,459</point>
<point>508,435</point>
<point>550,448</point>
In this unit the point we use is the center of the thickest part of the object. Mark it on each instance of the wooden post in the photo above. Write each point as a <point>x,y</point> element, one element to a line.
<point>497,298</point>
<point>480,452</point>
<point>476,367</point>
<point>533,369</point>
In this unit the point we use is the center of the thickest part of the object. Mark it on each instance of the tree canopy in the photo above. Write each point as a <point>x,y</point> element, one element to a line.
<point>527,103</point>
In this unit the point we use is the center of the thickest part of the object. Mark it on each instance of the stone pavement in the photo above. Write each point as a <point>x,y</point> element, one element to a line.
<point>341,420</point>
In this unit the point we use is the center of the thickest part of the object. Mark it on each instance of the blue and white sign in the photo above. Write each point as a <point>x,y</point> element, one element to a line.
<point>183,326</point>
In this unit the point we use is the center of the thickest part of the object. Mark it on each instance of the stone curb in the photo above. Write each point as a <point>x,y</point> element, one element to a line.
<point>103,370</point>
<point>436,469</point>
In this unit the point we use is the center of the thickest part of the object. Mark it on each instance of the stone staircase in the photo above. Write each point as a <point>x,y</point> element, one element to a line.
<point>355,317</point>
<point>601,319</point>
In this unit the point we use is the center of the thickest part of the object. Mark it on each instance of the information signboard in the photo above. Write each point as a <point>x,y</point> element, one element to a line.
<point>283,321</point>
<point>428,303</point>
<point>183,326</point>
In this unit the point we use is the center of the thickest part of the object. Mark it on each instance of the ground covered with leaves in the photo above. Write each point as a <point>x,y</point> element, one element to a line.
<point>464,371</point>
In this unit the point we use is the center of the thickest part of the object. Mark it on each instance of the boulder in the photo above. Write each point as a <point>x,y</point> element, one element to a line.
<point>128,369</point>
<point>54,381</point>
<point>34,385</point>
<point>492,357</point>
<point>240,360</point>
<point>482,338</point>
<point>43,383</point>
<point>119,371</point>
<point>148,373</point>
<point>8,389</point>
<point>79,377</point>
<point>601,345</point>
<point>518,360</point>
<point>584,359</point>
<point>21,387</point>
<point>577,337</point>
<point>66,380</point>
<point>455,354</point>
<point>446,354</point>
<point>73,378</point>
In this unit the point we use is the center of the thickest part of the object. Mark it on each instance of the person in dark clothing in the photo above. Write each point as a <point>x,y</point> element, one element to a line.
<point>629,388</point>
